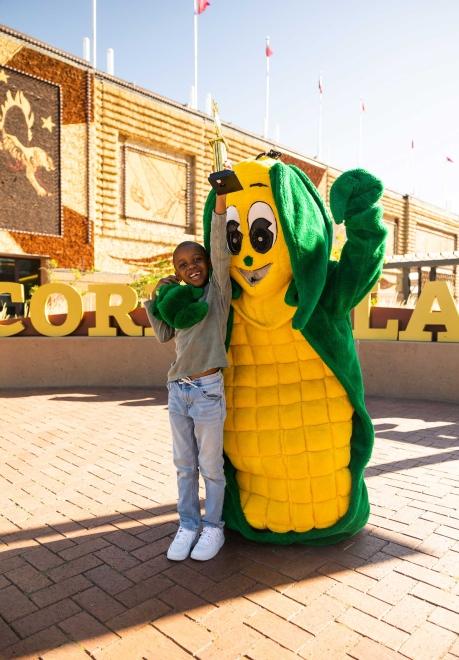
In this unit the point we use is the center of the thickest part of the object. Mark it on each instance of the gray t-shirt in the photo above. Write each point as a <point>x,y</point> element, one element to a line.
<point>202,346</point>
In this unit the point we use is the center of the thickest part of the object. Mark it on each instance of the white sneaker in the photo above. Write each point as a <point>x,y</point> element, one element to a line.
<point>210,542</point>
<point>180,547</point>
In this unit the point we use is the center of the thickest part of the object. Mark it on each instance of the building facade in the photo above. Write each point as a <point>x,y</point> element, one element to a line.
<point>99,175</point>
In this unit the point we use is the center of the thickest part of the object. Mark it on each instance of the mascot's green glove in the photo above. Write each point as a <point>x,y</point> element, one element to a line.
<point>179,305</point>
<point>352,193</point>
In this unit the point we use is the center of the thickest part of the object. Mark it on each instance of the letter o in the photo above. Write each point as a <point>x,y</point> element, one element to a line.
<point>39,317</point>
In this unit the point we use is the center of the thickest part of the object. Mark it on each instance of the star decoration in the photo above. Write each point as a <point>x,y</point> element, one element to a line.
<point>3,77</point>
<point>48,123</point>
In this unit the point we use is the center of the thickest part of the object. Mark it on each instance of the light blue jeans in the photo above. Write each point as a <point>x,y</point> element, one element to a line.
<point>197,412</point>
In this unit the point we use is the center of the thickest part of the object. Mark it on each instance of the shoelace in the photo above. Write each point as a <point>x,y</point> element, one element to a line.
<point>207,534</point>
<point>182,531</point>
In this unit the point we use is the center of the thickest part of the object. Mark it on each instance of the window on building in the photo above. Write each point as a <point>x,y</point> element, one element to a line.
<point>25,271</point>
<point>430,241</point>
<point>156,186</point>
<point>392,236</point>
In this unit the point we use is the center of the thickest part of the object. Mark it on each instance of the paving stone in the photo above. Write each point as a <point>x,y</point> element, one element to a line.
<point>144,590</point>
<point>265,648</point>
<point>376,630</point>
<point>14,604</point>
<point>188,634</point>
<point>333,641</point>
<point>429,642</point>
<point>84,628</point>
<point>42,558</point>
<point>28,579</point>
<point>232,643</point>
<point>367,648</point>
<point>275,602</point>
<point>228,615</point>
<point>108,579</point>
<point>146,642</point>
<point>7,635</point>
<point>138,616</point>
<point>319,614</point>
<point>278,630</point>
<point>45,617</point>
<point>37,644</point>
<point>90,530</point>
<point>60,591</point>
<point>445,619</point>
<point>437,596</point>
<point>98,603</point>
<point>391,588</point>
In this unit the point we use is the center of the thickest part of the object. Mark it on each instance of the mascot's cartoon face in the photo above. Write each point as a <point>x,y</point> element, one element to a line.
<point>261,262</point>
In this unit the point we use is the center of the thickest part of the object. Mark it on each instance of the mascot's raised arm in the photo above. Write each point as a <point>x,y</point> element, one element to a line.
<point>297,434</point>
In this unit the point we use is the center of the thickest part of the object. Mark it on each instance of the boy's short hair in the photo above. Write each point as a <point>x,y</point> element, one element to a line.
<point>189,244</point>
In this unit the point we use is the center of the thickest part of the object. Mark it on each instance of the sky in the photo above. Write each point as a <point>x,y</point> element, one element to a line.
<point>400,57</point>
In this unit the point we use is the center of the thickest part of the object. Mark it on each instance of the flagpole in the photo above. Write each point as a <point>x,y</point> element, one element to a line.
<point>94,30</point>
<point>319,135</point>
<point>195,87</point>
<point>411,168</point>
<point>445,187</point>
<point>360,153</point>
<point>265,131</point>
<point>446,183</point>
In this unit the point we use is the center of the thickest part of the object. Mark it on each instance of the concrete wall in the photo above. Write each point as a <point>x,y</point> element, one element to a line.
<point>83,362</point>
<point>412,370</point>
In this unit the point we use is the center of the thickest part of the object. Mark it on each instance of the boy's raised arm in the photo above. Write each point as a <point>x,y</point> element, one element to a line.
<point>220,256</point>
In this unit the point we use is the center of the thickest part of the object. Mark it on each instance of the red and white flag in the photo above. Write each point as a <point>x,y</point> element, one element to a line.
<point>449,160</point>
<point>268,51</point>
<point>201,5</point>
<point>321,86</point>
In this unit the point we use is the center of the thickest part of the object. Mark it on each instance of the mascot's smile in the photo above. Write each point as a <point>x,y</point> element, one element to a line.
<point>252,277</point>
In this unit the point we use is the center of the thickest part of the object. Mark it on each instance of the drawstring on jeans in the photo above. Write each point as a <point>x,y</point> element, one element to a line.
<point>187,381</point>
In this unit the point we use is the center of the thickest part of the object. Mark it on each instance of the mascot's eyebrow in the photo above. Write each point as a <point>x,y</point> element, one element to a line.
<point>259,185</point>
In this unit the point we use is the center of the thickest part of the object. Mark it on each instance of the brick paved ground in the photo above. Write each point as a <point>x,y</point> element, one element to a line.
<point>87,497</point>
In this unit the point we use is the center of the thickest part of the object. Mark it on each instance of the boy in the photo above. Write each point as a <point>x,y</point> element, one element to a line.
<point>196,399</point>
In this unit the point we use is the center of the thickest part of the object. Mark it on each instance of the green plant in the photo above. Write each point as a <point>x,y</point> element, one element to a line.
<point>157,269</point>
<point>4,312</point>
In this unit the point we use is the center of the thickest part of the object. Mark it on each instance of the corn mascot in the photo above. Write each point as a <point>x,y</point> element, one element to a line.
<point>297,434</point>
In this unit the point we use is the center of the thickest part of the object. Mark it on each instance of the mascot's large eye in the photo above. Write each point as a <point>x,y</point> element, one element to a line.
<point>233,235</point>
<point>263,227</point>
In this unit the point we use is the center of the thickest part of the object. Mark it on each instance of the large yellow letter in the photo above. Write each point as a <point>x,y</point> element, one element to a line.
<point>423,315</point>
<point>119,312</point>
<point>16,291</point>
<point>39,316</point>
<point>362,328</point>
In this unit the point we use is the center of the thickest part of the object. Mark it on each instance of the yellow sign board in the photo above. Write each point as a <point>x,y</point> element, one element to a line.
<point>434,295</point>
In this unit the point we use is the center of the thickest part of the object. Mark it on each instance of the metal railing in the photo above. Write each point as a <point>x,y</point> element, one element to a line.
<point>433,261</point>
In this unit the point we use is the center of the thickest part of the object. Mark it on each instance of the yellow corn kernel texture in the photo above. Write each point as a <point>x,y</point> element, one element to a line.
<point>288,430</point>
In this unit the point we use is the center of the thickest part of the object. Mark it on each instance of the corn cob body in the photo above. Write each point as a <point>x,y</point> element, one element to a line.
<point>297,435</point>
<point>288,429</point>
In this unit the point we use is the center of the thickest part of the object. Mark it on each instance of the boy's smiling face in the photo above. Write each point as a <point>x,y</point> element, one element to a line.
<point>191,264</point>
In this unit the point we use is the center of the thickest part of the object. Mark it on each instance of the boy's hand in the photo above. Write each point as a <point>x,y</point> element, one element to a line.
<point>220,202</point>
<point>170,279</point>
